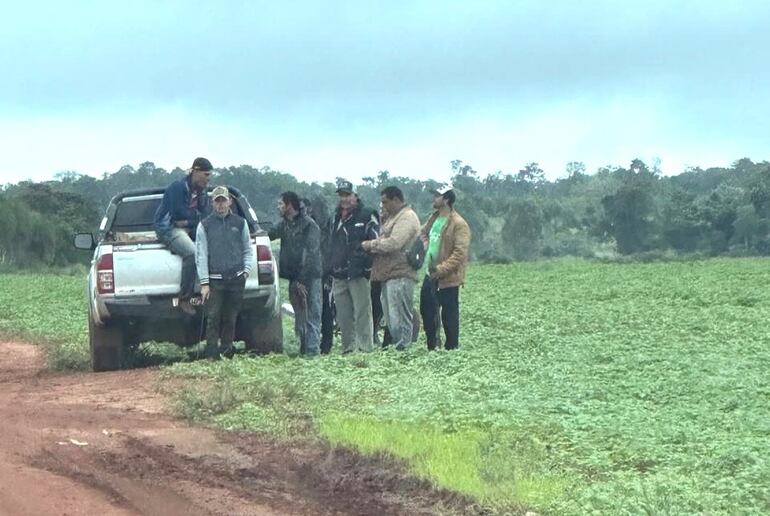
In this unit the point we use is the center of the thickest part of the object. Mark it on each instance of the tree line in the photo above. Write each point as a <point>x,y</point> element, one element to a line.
<point>514,216</point>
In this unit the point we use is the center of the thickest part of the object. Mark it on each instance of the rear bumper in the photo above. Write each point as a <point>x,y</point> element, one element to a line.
<point>162,307</point>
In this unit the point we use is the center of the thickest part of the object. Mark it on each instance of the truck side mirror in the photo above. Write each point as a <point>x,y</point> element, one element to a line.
<point>85,241</point>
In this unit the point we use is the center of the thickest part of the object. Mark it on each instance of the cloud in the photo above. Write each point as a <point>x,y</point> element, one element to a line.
<point>374,61</point>
<point>335,88</point>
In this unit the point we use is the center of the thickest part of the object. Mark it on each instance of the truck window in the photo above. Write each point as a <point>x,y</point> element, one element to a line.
<point>135,214</point>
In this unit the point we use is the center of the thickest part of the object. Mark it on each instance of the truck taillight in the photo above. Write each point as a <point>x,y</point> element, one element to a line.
<point>105,281</point>
<point>265,271</point>
<point>264,254</point>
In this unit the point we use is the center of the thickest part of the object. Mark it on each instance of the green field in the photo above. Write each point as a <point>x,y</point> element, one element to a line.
<point>579,388</point>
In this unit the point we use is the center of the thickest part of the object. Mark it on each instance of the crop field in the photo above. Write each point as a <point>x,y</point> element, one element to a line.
<point>579,387</point>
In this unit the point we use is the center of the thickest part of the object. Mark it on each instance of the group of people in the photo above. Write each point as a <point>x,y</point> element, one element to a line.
<point>331,267</point>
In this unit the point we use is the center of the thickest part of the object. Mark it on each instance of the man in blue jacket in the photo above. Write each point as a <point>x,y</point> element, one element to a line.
<point>184,204</point>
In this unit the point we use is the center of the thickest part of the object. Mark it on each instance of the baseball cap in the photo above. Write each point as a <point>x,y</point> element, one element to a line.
<point>220,191</point>
<point>441,190</point>
<point>346,187</point>
<point>201,164</point>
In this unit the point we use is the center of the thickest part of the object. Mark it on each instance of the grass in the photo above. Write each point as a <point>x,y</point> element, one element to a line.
<point>49,309</point>
<point>468,461</point>
<point>579,388</point>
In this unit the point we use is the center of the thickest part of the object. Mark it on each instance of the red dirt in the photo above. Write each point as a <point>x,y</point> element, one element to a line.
<point>83,444</point>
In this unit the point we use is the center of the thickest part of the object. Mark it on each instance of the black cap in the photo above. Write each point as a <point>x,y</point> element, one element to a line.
<point>201,164</point>
<point>345,187</point>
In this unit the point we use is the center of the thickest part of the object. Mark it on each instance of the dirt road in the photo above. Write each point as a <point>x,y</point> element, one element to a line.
<point>102,444</point>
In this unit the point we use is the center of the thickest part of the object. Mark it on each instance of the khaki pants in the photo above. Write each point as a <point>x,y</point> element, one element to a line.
<point>354,313</point>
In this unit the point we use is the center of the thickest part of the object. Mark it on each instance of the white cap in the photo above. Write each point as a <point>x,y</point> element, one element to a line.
<point>441,190</point>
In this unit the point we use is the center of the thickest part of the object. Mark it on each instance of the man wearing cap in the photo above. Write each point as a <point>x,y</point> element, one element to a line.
<point>184,204</point>
<point>300,263</point>
<point>400,228</point>
<point>223,257</point>
<point>350,268</point>
<point>447,238</point>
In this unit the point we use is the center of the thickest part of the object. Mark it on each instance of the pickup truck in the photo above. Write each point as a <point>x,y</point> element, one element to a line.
<point>133,284</point>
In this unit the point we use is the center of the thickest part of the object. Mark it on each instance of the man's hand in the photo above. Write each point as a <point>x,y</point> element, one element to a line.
<point>424,239</point>
<point>181,224</point>
<point>433,272</point>
<point>298,295</point>
<point>205,293</point>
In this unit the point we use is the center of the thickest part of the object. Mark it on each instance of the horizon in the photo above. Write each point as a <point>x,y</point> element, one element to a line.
<point>480,174</point>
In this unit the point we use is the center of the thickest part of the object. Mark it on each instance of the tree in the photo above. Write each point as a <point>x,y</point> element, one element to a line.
<point>531,174</point>
<point>629,213</point>
<point>575,170</point>
<point>749,228</point>
<point>523,229</point>
<point>720,210</point>
<point>683,225</point>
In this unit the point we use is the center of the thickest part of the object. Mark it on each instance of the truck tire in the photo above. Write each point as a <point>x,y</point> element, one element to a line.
<point>265,336</point>
<point>106,344</point>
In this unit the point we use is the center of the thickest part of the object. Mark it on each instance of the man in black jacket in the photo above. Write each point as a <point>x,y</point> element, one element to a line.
<point>300,263</point>
<point>318,210</point>
<point>223,256</point>
<point>350,268</point>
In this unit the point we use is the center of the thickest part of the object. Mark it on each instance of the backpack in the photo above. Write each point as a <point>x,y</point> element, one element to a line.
<point>415,254</point>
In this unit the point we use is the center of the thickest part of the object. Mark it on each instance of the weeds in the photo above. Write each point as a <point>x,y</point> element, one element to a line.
<point>579,387</point>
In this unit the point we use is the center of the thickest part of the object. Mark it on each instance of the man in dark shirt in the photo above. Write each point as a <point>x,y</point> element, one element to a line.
<point>300,263</point>
<point>319,212</point>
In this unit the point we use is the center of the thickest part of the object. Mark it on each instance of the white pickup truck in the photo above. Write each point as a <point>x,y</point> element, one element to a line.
<point>133,284</point>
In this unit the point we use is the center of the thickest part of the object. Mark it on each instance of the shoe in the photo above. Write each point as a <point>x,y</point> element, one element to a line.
<point>186,307</point>
<point>211,353</point>
<point>227,352</point>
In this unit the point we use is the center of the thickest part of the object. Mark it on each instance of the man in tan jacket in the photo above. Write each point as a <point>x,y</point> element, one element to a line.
<point>389,264</point>
<point>447,238</point>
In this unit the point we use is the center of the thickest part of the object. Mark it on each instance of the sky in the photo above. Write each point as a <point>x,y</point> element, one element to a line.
<point>327,89</point>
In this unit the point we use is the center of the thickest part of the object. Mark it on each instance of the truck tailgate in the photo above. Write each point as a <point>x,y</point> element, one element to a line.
<point>152,270</point>
<point>146,269</point>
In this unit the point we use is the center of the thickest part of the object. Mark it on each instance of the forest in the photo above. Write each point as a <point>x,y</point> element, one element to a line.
<point>613,213</point>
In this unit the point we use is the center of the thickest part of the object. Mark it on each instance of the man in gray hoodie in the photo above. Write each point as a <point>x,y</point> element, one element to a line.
<point>223,256</point>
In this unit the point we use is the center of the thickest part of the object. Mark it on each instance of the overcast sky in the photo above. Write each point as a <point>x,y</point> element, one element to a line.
<point>326,89</point>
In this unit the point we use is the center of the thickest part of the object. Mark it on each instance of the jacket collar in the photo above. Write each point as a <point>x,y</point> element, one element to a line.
<point>354,211</point>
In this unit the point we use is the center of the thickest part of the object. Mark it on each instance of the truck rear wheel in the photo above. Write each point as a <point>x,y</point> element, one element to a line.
<point>106,344</point>
<point>265,336</point>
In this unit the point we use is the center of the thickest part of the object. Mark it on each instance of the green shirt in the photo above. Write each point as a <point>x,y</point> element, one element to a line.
<point>434,240</point>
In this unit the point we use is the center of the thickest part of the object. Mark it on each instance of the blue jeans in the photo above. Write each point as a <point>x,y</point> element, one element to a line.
<point>307,321</point>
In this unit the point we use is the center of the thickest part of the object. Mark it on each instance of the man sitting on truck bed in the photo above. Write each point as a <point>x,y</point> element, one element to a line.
<point>184,205</point>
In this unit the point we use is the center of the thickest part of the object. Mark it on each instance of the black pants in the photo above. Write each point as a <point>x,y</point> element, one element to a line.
<point>441,304</point>
<point>327,316</point>
<point>222,309</point>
